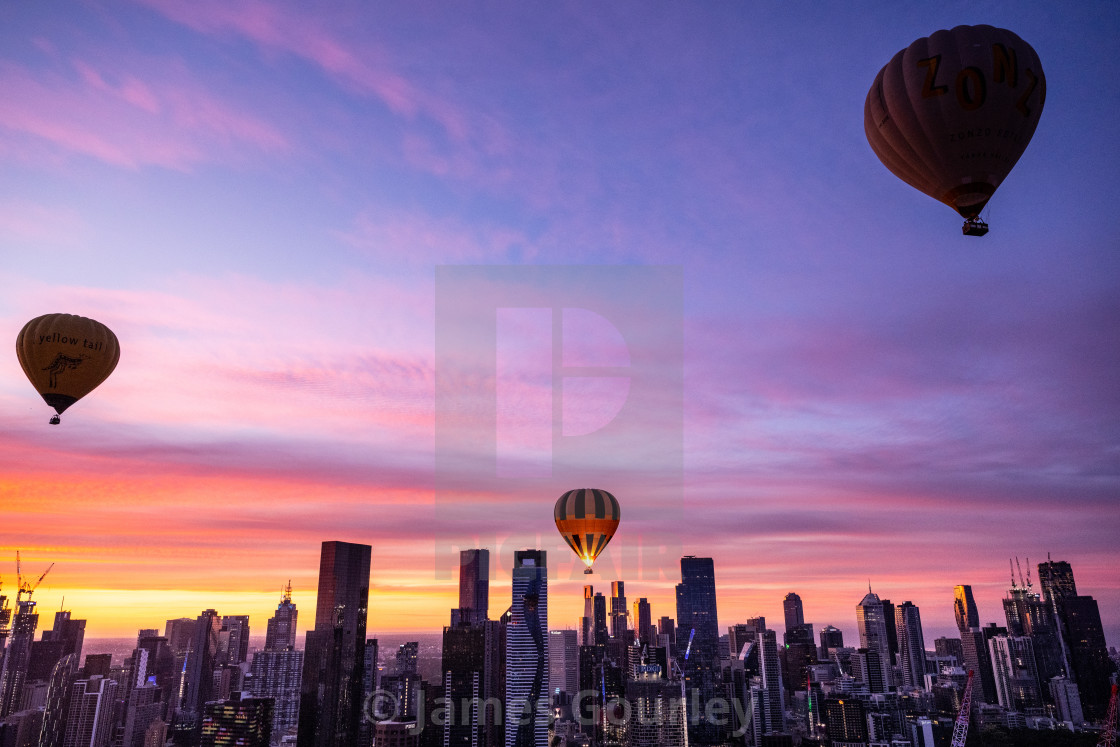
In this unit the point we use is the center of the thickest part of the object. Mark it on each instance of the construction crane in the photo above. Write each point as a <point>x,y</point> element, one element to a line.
<point>1108,733</point>
<point>26,587</point>
<point>960,728</point>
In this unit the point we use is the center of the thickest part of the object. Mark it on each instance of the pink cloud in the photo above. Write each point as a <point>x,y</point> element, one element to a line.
<point>131,122</point>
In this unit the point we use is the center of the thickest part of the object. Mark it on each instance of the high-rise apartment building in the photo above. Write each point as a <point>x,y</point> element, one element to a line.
<point>1056,578</point>
<point>89,720</point>
<point>911,645</point>
<point>794,612</point>
<point>1088,656</point>
<point>768,698</point>
<point>276,673</point>
<point>527,712</point>
<point>831,637</point>
<point>974,645</point>
<point>233,640</point>
<point>330,708</point>
<point>697,621</point>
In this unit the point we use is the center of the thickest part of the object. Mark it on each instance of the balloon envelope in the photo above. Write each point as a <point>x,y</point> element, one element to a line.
<point>66,356</point>
<point>951,114</point>
<point>587,519</point>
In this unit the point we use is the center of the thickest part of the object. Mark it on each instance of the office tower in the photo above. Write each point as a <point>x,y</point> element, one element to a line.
<point>643,622</point>
<point>330,708</point>
<point>238,722</point>
<point>233,640</point>
<point>464,653</point>
<point>911,645</point>
<point>408,657</point>
<point>831,638</point>
<point>795,614</point>
<point>618,610</point>
<point>58,701</point>
<point>738,637</point>
<point>527,712</point>
<point>197,679</point>
<point>179,634</point>
<point>276,673</point>
<point>1028,615</point>
<point>1066,698</point>
<point>667,627</point>
<point>797,655</point>
<point>1088,656</point>
<point>601,632</point>
<point>474,583</point>
<point>89,721</point>
<point>1056,578</point>
<point>13,670</point>
<point>587,622</point>
<point>697,619</point>
<point>1016,676</point>
<point>70,632</point>
<point>845,720</point>
<point>563,662</point>
<point>22,728</point>
<point>873,629</point>
<point>945,647</point>
<point>657,718</point>
<point>892,636</point>
<point>142,709</point>
<point>974,646</point>
<point>280,633</point>
<point>768,697</point>
<point>472,656</point>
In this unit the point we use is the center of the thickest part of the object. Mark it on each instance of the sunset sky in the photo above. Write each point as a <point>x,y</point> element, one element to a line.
<point>256,196</point>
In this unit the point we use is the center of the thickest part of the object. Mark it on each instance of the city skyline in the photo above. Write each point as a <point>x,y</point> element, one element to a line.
<point>260,205</point>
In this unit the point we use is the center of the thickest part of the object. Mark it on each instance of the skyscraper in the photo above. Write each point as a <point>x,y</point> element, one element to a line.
<point>1088,656</point>
<point>911,645</point>
<point>237,723</point>
<point>331,688</point>
<point>563,661</point>
<point>795,614</point>
<point>587,622</point>
<point>1016,675</point>
<point>618,610</point>
<point>974,646</point>
<point>831,637</point>
<point>697,620</point>
<point>280,633</point>
<point>1056,577</point>
<point>13,671</point>
<point>768,698</point>
<point>643,622</point>
<point>233,640</point>
<point>872,626</point>
<point>474,583</point>
<point>527,712</point>
<point>89,722</point>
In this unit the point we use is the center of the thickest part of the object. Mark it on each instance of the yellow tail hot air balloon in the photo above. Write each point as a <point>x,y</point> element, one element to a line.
<point>66,357</point>
<point>587,519</point>
<point>951,114</point>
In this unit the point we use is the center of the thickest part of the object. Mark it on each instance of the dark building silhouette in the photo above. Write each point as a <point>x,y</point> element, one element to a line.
<point>845,720</point>
<point>1088,655</point>
<point>1056,578</point>
<point>794,612</point>
<point>197,685</point>
<point>696,611</point>
<point>13,669</point>
<point>474,583</point>
<point>331,688</point>
<point>974,645</point>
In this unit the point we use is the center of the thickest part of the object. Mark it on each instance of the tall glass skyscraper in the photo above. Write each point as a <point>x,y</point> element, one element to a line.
<point>474,583</point>
<point>911,645</point>
<point>696,611</point>
<point>794,612</point>
<point>872,623</point>
<point>527,711</point>
<point>331,688</point>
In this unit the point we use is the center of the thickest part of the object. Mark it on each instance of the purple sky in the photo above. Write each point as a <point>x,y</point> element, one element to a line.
<point>255,197</point>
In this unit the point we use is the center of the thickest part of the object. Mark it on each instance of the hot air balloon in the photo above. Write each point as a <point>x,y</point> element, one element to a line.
<point>951,114</point>
<point>66,357</point>
<point>587,519</point>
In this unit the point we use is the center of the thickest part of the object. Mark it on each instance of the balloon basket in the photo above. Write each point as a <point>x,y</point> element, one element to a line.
<point>974,227</point>
<point>55,420</point>
<point>588,571</point>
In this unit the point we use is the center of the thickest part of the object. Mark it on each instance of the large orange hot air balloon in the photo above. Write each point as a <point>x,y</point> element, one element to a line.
<point>66,357</point>
<point>587,519</point>
<point>951,114</point>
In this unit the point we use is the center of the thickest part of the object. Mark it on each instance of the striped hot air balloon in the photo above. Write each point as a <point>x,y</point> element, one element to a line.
<point>587,519</point>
